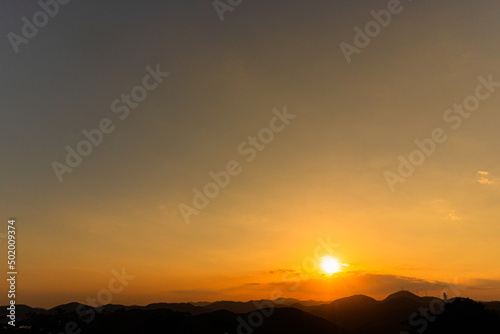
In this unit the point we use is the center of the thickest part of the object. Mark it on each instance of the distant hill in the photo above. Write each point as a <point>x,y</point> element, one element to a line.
<point>22,312</point>
<point>292,301</point>
<point>357,314</point>
<point>178,307</point>
<point>70,307</point>
<point>235,307</point>
<point>200,303</point>
<point>138,321</point>
<point>409,295</point>
<point>365,315</point>
<point>192,308</point>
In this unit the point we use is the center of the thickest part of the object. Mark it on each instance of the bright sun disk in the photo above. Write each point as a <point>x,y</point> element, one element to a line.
<point>330,265</point>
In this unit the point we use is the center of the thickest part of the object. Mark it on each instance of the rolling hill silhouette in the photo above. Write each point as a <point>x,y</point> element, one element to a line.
<point>357,314</point>
<point>361,314</point>
<point>282,320</point>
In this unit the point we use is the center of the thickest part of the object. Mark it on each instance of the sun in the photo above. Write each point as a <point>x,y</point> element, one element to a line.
<point>330,265</point>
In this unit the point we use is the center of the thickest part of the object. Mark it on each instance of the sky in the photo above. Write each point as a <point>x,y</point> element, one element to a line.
<point>310,124</point>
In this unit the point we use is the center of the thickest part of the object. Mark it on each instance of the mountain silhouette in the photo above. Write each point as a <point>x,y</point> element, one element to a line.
<point>364,315</point>
<point>464,315</point>
<point>357,314</point>
<point>409,295</point>
<point>137,321</point>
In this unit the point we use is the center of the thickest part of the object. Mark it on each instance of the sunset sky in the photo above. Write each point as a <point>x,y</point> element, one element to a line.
<point>321,177</point>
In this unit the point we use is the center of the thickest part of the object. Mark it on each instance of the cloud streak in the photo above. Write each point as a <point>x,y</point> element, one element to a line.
<point>484,177</point>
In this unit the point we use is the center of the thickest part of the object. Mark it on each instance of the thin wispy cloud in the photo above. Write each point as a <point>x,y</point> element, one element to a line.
<point>454,216</point>
<point>484,177</point>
